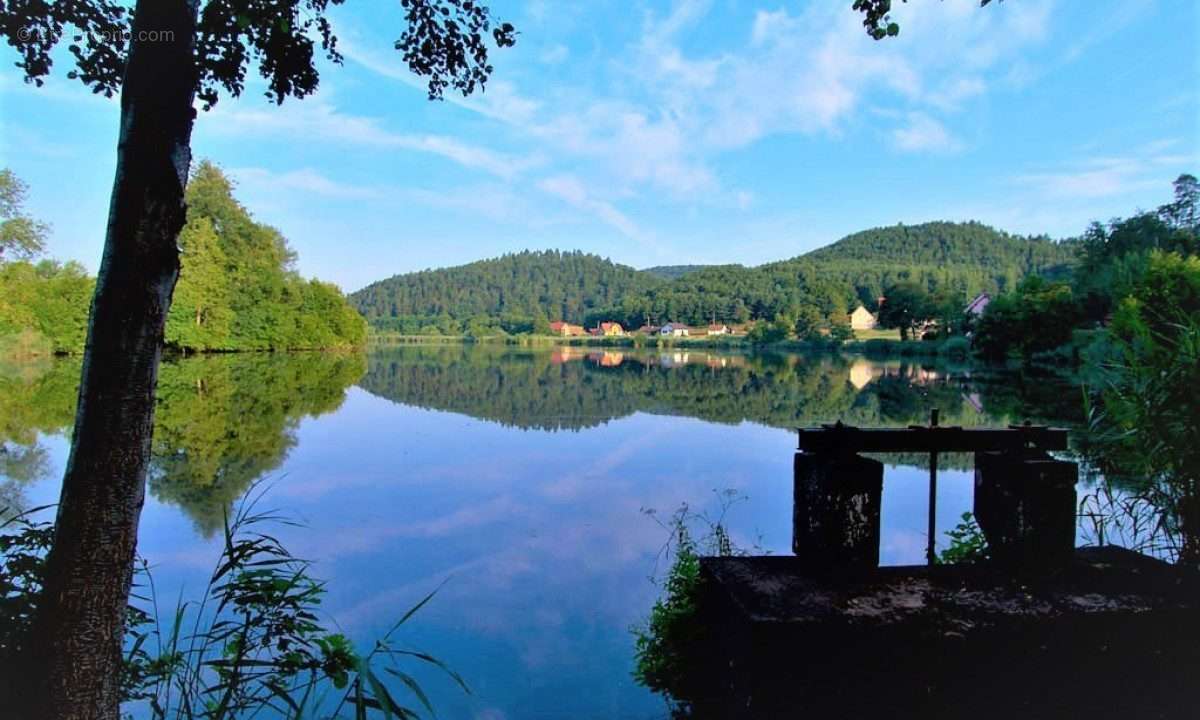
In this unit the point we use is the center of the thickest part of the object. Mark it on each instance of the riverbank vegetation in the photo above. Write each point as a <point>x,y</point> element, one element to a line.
<point>238,287</point>
<point>254,643</point>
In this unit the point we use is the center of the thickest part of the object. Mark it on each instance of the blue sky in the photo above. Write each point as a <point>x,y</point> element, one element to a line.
<point>662,133</point>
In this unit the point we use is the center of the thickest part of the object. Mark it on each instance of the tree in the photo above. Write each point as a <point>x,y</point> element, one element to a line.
<point>809,322</point>
<point>906,307</point>
<point>20,235</point>
<point>1038,316</point>
<point>878,20</point>
<point>201,315</point>
<point>177,51</point>
<point>1184,212</point>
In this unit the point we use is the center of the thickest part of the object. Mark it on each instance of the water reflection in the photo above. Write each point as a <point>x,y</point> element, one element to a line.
<point>221,422</point>
<point>576,388</point>
<point>517,474</point>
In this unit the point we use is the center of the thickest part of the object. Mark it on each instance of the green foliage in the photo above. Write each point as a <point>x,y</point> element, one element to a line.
<point>907,308</point>
<point>1038,316</point>
<point>967,543</point>
<point>558,285</point>
<point>809,322</point>
<point>1113,257</point>
<point>221,421</point>
<point>662,650</point>
<point>765,333</point>
<point>256,642</point>
<point>238,289</point>
<point>667,646</point>
<point>1148,420</point>
<point>43,307</point>
<point>21,237</point>
<point>949,260</point>
<point>671,272</point>
<point>957,348</point>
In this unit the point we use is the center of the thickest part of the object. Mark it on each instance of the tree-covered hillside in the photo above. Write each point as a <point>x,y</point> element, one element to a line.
<point>529,287</point>
<point>953,260</point>
<point>672,272</point>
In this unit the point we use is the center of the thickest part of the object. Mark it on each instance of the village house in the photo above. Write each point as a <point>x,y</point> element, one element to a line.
<point>610,329</point>
<point>566,329</point>
<point>862,319</point>
<point>675,330</point>
<point>647,330</point>
<point>976,307</point>
<point>718,329</point>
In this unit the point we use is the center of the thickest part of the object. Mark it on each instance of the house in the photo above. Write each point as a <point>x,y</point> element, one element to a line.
<point>674,330</point>
<point>718,329</point>
<point>610,329</point>
<point>976,307</point>
<point>647,330</point>
<point>862,319</point>
<point>566,329</point>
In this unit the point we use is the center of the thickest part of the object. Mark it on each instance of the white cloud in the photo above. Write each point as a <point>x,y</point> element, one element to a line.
<point>307,181</point>
<point>923,133</point>
<point>1103,177</point>
<point>569,189</point>
<point>555,54</point>
<point>669,111</point>
<point>315,120</point>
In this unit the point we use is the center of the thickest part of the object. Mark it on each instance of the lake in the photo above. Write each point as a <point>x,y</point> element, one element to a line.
<point>516,480</point>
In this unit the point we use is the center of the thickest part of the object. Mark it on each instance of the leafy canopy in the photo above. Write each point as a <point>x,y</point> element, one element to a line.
<point>445,41</point>
<point>20,235</point>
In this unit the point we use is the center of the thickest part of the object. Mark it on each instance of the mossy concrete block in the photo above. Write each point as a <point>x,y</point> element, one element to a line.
<point>1111,634</point>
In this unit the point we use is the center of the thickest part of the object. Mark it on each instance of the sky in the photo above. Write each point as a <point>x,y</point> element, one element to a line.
<point>694,131</point>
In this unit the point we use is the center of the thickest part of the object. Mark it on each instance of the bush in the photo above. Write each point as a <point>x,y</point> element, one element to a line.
<point>958,348</point>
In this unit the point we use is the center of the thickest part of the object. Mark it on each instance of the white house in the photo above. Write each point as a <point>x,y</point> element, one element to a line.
<point>976,307</point>
<point>674,330</point>
<point>862,319</point>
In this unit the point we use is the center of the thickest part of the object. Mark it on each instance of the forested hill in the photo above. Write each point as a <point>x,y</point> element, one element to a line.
<point>672,272</point>
<point>541,286</point>
<point>943,244</point>
<point>516,292</point>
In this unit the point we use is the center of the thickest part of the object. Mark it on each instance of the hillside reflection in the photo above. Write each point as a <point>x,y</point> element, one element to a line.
<point>221,422</point>
<point>224,421</point>
<point>572,388</point>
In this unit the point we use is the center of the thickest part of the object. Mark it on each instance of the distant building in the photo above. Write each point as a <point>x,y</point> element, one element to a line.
<point>976,307</point>
<point>566,329</point>
<point>647,330</point>
<point>862,319</point>
<point>675,330</point>
<point>718,329</point>
<point>611,329</point>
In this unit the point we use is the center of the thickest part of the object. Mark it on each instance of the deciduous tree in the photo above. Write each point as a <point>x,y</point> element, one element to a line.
<point>162,58</point>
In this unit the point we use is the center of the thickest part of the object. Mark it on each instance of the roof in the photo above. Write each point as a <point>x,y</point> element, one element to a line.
<point>610,325</point>
<point>717,326</point>
<point>981,300</point>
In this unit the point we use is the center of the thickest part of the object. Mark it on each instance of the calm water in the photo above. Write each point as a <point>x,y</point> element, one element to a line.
<point>517,478</point>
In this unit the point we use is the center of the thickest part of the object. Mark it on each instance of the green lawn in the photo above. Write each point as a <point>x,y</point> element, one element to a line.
<point>877,334</point>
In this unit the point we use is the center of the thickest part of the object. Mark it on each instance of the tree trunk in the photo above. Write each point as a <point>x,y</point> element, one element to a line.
<point>77,634</point>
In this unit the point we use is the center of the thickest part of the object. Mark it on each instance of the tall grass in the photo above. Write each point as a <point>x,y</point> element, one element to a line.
<point>254,645</point>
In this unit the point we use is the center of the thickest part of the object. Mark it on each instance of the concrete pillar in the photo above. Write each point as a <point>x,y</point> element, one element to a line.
<point>835,516</point>
<point>1025,504</point>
